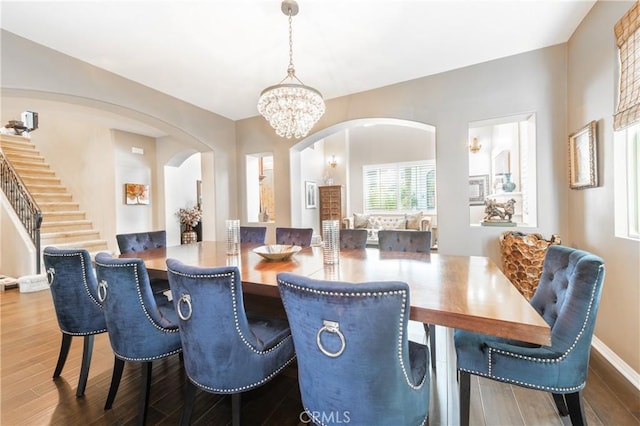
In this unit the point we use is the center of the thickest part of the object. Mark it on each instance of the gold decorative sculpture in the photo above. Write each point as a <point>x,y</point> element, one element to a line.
<point>522,259</point>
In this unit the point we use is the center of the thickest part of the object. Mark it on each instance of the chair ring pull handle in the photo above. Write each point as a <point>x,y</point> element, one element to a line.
<point>185,298</point>
<point>51,272</point>
<point>102,290</point>
<point>330,327</point>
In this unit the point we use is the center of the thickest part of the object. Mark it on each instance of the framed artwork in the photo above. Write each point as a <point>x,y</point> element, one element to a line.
<point>583,158</point>
<point>478,186</point>
<point>136,193</point>
<point>311,197</point>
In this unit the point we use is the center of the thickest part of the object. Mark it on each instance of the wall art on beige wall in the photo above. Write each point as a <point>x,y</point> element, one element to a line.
<point>583,158</point>
<point>136,193</point>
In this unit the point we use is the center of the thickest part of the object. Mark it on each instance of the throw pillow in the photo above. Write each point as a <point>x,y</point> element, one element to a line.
<point>397,223</point>
<point>413,221</point>
<point>375,222</point>
<point>360,220</point>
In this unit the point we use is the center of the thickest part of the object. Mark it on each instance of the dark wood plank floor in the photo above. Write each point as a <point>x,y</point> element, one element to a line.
<point>30,341</point>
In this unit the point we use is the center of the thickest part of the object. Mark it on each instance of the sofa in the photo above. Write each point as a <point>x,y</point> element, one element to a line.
<point>373,222</point>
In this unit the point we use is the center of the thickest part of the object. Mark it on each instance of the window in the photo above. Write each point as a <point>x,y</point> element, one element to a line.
<point>627,182</point>
<point>409,186</point>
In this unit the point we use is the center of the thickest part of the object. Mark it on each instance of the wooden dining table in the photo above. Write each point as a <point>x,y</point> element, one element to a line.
<point>467,292</point>
<point>452,292</point>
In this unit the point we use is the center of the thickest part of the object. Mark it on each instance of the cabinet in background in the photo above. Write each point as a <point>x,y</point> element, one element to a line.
<point>331,203</point>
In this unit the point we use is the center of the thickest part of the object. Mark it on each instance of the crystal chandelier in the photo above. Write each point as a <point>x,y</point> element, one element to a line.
<point>291,108</point>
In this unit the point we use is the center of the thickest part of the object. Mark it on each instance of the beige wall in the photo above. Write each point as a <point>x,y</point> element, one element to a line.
<point>536,81</point>
<point>593,81</point>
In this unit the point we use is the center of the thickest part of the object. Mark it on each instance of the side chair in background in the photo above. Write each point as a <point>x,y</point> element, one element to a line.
<point>141,241</point>
<point>139,329</point>
<point>253,234</point>
<point>75,299</point>
<point>294,236</point>
<point>353,238</point>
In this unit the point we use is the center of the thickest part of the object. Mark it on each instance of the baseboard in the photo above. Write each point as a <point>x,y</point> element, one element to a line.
<point>616,362</point>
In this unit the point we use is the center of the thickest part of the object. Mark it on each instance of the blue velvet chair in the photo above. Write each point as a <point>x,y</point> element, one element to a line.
<point>224,351</point>
<point>253,234</point>
<point>399,240</point>
<point>294,236</point>
<point>567,297</point>
<point>140,330</point>
<point>141,241</point>
<point>355,362</point>
<point>353,238</point>
<point>75,298</point>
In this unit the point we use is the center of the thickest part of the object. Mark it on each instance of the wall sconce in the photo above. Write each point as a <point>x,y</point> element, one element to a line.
<point>333,162</point>
<point>474,146</point>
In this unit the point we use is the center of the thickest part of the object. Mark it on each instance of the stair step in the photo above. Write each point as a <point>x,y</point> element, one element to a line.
<point>58,206</point>
<point>65,226</point>
<point>50,197</point>
<point>34,172</point>
<point>62,216</point>
<point>68,237</point>
<point>40,180</point>
<point>15,141</point>
<point>22,155</point>
<point>48,189</point>
<point>89,245</point>
<point>28,163</point>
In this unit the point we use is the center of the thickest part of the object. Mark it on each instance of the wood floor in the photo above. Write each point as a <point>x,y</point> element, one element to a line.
<point>30,341</point>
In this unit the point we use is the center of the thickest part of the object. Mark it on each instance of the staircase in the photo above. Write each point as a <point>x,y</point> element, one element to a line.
<point>64,225</point>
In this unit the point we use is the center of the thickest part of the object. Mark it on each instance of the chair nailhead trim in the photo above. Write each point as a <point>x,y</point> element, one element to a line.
<point>245,387</point>
<point>142,305</point>
<point>402,293</point>
<point>525,384</point>
<point>84,272</point>
<point>146,359</point>
<point>235,309</point>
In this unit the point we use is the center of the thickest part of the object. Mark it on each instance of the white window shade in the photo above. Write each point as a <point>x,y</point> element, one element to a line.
<point>407,187</point>
<point>628,40</point>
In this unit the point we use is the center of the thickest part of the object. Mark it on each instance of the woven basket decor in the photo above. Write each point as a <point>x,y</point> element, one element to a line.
<point>522,259</point>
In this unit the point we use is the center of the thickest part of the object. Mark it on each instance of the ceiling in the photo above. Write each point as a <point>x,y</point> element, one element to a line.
<point>219,55</point>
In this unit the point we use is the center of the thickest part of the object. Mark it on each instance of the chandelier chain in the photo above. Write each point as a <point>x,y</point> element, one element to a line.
<point>291,70</point>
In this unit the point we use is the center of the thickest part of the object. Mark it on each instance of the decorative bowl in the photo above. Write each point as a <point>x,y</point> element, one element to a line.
<point>277,251</point>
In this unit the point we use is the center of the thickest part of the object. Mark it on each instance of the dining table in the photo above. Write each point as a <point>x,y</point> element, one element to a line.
<point>449,291</point>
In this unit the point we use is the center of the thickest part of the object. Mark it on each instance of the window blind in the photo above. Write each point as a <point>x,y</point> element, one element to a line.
<point>400,186</point>
<point>627,35</point>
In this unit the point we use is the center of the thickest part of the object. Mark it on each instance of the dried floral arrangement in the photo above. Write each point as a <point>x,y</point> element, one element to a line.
<point>190,217</point>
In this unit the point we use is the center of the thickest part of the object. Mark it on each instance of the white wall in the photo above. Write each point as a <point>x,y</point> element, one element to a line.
<point>180,192</point>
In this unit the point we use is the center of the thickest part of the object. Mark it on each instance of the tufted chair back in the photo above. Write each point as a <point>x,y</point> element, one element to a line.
<point>224,352</point>
<point>567,297</point>
<point>253,234</point>
<point>294,236</point>
<point>410,241</point>
<point>355,362</point>
<point>75,298</point>
<point>140,241</point>
<point>353,238</point>
<point>140,330</point>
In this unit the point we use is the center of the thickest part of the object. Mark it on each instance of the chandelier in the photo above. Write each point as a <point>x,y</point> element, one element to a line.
<point>290,107</point>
